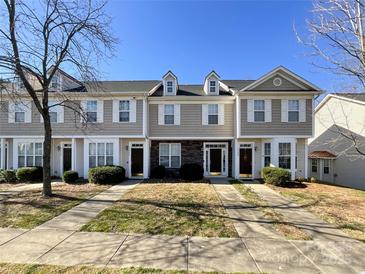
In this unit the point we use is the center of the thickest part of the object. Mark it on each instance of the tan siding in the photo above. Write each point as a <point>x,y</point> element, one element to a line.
<point>191,123</point>
<point>71,125</point>
<point>285,84</point>
<point>276,127</point>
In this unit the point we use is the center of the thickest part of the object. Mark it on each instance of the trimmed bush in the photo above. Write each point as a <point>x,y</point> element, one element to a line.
<point>70,176</point>
<point>7,176</point>
<point>191,172</point>
<point>158,172</point>
<point>30,174</point>
<point>106,175</point>
<point>275,175</point>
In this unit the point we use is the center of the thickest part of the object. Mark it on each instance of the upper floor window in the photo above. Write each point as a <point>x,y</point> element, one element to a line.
<point>213,114</point>
<point>314,165</point>
<point>91,111</point>
<point>212,86</point>
<point>53,116</point>
<point>19,109</point>
<point>55,82</point>
<point>19,83</point>
<point>284,155</point>
<point>30,154</point>
<point>124,111</point>
<point>259,110</point>
<point>267,154</point>
<point>169,86</point>
<point>293,110</point>
<point>169,114</point>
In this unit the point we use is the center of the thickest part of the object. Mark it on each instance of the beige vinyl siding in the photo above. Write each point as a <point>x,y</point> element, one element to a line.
<point>72,125</point>
<point>276,127</point>
<point>191,123</point>
<point>286,85</point>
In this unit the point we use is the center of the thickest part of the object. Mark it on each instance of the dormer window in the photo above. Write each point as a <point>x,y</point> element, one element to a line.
<point>169,87</point>
<point>212,86</point>
<point>55,82</point>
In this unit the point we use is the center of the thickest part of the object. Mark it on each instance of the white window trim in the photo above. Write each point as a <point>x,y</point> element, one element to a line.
<point>316,165</point>
<point>26,142</point>
<point>174,87</point>
<point>266,155</point>
<point>159,154</point>
<point>324,166</point>
<point>216,85</point>
<point>254,111</point>
<point>129,111</point>
<point>289,110</point>
<point>292,164</point>
<point>205,114</point>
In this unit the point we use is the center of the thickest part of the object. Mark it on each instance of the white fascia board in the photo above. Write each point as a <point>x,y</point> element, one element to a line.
<point>75,136</point>
<point>329,96</point>
<point>154,88</point>
<point>274,136</point>
<point>191,99</point>
<point>191,138</point>
<point>274,95</point>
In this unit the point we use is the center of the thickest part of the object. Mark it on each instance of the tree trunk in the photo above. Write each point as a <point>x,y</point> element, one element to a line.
<point>47,144</point>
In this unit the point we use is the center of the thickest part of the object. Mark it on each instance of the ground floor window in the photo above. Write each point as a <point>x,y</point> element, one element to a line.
<point>267,154</point>
<point>170,155</point>
<point>30,154</point>
<point>284,155</point>
<point>314,165</point>
<point>326,166</point>
<point>100,154</point>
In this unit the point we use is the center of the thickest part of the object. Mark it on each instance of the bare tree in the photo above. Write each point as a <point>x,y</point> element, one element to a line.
<point>336,35</point>
<point>39,38</point>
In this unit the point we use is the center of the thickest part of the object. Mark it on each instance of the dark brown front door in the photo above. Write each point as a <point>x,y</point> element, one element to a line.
<point>137,162</point>
<point>215,161</point>
<point>67,158</point>
<point>246,162</point>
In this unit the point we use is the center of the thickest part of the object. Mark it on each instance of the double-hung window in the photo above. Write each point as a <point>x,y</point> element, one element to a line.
<point>170,155</point>
<point>55,82</point>
<point>100,154</point>
<point>267,154</point>
<point>19,110</point>
<point>259,110</point>
<point>170,86</point>
<point>91,111</point>
<point>293,110</point>
<point>124,111</point>
<point>314,165</point>
<point>30,154</point>
<point>213,114</point>
<point>169,114</point>
<point>212,86</point>
<point>326,166</point>
<point>284,155</point>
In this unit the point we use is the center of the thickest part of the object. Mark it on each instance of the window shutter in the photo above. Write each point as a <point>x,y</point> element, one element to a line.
<point>161,120</point>
<point>28,112</point>
<point>83,111</point>
<point>177,114</point>
<point>250,115</point>
<point>302,110</point>
<point>115,111</point>
<point>268,111</point>
<point>100,110</point>
<point>221,114</point>
<point>284,111</point>
<point>60,114</point>
<point>11,112</point>
<point>204,114</point>
<point>133,111</point>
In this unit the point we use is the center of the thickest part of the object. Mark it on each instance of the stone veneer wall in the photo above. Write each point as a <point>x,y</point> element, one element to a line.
<point>191,152</point>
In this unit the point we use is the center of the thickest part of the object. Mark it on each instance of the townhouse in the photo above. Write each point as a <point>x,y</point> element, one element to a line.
<point>230,127</point>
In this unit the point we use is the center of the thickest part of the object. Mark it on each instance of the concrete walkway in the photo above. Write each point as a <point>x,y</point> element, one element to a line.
<point>298,216</point>
<point>75,218</point>
<point>27,187</point>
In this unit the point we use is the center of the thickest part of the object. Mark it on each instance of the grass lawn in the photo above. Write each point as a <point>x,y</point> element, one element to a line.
<point>343,207</point>
<point>192,209</point>
<point>29,209</point>
<point>287,229</point>
<point>7,186</point>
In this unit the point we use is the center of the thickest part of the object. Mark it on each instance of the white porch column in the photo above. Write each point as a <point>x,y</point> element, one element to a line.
<point>73,154</point>
<point>306,158</point>
<point>274,153</point>
<point>292,158</point>
<point>146,158</point>
<point>145,118</point>
<point>2,159</point>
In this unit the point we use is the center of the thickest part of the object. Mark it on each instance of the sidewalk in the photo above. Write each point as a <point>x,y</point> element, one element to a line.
<point>27,187</point>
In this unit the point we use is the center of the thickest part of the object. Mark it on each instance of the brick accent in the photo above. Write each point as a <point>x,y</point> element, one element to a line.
<point>191,152</point>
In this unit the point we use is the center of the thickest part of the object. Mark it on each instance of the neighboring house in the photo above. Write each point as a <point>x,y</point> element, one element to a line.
<point>333,155</point>
<point>230,127</point>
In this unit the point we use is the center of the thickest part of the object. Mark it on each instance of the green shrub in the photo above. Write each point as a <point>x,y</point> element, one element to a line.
<point>106,175</point>
<point>313,180</point>
<point>191,172</point>
<point>30,174</point>
<point>275,175</point>
<point>7,176</point>
<point>158,172</point>
<point>70,176</point>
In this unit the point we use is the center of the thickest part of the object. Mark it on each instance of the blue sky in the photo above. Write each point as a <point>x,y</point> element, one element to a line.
<point>238,39</point>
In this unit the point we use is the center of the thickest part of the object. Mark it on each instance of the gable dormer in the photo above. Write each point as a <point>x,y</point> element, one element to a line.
<point>211,84</point>
<point>169,82</point>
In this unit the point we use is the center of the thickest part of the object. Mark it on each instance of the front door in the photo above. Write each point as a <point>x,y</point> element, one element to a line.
<point>215,159</point>
<point>246,161</point>
<point>137,160</point>
<point>67,157</point>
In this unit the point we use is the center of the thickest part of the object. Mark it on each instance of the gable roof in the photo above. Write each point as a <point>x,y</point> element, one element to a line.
<point>282,71</point>
<point>122,86</point>
<point>354,96</point>
<point>321,154</point>
<point>189,90</point>
<point>358,98</point>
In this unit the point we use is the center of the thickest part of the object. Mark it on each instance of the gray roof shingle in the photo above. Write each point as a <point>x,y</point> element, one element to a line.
<point>355,96</point>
